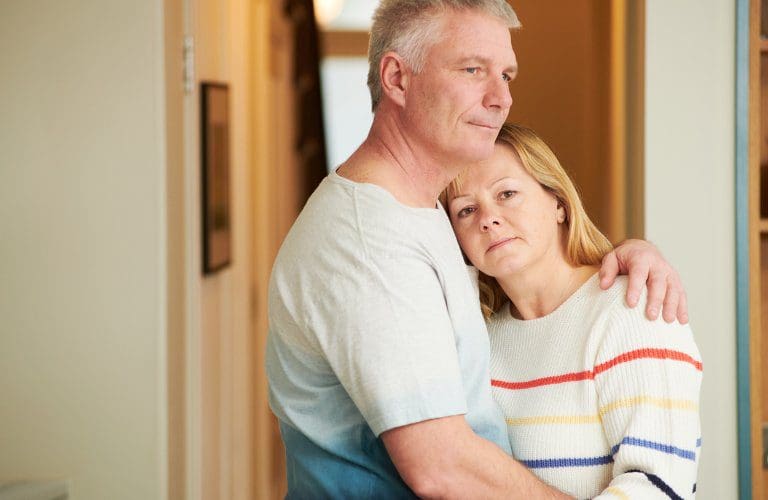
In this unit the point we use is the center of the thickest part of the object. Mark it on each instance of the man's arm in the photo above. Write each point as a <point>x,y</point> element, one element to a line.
<point>645,265</point>
<point>443,458</point>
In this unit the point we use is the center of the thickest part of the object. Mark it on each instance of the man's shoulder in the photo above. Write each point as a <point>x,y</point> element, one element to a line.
<point>343,215</point>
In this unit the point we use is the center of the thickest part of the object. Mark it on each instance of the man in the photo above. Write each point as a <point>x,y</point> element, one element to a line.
<point>378,355</point>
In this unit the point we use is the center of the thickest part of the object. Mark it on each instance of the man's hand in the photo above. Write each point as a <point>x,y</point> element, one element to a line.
<point>644,264</point>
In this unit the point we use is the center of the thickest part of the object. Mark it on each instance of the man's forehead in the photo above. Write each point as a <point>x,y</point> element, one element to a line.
<point>473,22</point>
<point>477,37</point>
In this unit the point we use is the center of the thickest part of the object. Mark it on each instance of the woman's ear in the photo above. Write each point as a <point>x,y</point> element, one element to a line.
<point>561,214</point>
<point>394,74</point>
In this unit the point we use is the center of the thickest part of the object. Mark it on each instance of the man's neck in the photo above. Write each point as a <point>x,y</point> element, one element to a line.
<point>414,176</point>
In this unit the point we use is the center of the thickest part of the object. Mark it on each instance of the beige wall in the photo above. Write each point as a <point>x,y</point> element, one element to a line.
<point>690,199</point>
<point>82,258</point>
<point>219,350</point>
<point>122,369</point>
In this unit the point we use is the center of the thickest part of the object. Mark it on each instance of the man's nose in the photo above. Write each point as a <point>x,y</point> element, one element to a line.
<point>498,95</point>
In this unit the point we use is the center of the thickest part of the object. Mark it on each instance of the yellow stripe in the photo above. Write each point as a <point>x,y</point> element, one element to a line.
<point>555,419</point>
<point>673,404</point>
<point>617,492</point>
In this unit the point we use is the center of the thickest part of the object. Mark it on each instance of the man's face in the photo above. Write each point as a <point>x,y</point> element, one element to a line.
<point>456,105</point>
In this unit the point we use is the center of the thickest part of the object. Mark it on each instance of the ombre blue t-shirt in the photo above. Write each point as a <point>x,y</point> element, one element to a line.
<point>374,324</point>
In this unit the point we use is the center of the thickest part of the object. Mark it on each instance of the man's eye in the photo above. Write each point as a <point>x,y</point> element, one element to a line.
<point>505,195</point>
<point>472,71</point>
<point>506,77</point>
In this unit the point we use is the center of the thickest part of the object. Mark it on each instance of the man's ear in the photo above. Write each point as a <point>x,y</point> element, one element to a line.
<point>395,77</point>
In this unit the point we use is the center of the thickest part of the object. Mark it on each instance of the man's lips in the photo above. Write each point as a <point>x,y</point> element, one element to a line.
<point>485,125</point>
<point>499,243</point>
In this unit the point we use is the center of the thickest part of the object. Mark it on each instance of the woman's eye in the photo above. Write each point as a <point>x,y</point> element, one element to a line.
<point>505,195</point>
<point>465,211</point>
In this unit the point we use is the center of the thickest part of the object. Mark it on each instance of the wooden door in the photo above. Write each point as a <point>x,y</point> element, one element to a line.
<point>289,161</point>
<point>580,87</point>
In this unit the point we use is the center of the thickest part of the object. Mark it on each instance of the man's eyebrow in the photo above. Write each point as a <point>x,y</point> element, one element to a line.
<point>512,68</point>
<point>469,59</point>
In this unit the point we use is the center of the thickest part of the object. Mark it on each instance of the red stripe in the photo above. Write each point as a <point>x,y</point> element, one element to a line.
<point>602,367</point>
<point>646,354</point>
<point>558,379</point>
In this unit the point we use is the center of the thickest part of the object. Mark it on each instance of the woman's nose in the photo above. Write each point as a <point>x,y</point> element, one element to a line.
<point>488,221</point>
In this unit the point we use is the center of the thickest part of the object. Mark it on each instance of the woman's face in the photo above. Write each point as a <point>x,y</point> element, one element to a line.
<point>505,221</point>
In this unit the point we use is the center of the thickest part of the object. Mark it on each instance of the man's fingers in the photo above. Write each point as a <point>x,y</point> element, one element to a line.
<point>657,289</point>
<point>682,308</point>
<point>671,302</point>
<point>637,278</point>
<point>609,270</point>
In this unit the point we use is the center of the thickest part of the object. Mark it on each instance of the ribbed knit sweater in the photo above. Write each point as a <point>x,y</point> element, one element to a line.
<point>599,401</point>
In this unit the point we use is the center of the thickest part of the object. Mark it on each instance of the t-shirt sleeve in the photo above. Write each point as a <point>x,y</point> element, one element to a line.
<point>648,376</point>
<point>384,328</point>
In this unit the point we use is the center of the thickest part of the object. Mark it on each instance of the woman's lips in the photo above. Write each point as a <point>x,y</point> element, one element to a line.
<point>498,244</point>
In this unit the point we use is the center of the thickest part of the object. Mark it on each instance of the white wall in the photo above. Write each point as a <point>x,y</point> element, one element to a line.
<point>82,256</point>
<point>689,149</point>
<point>347,112</point>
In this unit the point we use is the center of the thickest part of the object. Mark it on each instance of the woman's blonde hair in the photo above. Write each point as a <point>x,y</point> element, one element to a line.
<point>585,245</point>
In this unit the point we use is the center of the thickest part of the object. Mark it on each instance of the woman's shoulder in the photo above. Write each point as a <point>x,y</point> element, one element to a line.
<point>615,302</point>
<point>627,328</point>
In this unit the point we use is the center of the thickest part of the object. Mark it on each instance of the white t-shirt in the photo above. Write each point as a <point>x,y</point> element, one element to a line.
<point>374,324</point>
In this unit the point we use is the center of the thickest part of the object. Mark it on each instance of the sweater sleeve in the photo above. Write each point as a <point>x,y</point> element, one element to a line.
<point>647,376</point>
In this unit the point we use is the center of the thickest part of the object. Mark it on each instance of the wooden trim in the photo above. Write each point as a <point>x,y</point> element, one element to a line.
<point>176,256</point>
<point>636,120</point>
<point>265,65</point>
<point>627,112</point>
<point>616,223</point>
<point>342,43</point>
<point>757,226</point>
<point>748,275</point>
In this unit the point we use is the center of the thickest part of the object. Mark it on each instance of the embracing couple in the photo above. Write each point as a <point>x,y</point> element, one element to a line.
<point>396,371</point>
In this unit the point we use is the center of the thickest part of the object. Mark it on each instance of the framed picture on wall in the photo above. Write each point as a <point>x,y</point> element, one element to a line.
<point>216,212</point>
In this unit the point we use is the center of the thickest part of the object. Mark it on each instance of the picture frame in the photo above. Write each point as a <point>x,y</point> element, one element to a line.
<point>215,177</point>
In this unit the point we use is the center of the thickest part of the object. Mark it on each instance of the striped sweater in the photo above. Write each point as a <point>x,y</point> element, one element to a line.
<point>599,401</point>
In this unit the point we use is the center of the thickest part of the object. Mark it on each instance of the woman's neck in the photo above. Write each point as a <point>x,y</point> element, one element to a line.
<point>536,292</point>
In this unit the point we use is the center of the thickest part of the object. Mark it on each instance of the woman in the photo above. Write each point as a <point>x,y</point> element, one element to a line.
<point>598,399</point>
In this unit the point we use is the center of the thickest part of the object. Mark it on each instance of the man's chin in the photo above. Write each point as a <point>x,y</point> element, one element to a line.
<point>478,152</point>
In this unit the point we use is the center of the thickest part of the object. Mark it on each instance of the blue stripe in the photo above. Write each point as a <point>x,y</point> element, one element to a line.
<point>660,484</point>
<point>665,448</point>
<point>549,463</point>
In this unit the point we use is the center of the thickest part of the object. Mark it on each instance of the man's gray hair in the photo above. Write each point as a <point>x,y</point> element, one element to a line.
<point>408,28</point>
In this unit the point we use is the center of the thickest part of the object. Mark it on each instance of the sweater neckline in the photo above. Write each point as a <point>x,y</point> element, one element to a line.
<point>563,309</point>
